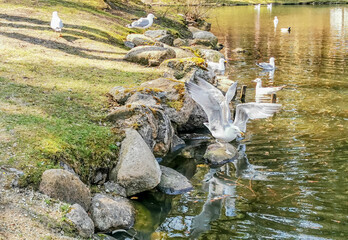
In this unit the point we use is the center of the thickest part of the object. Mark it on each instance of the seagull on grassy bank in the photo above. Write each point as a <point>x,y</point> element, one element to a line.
<point>217,67</point>
<point>267,66</point>
<point>275,21</point>
<point>265,90</point>
<point>284,30</point>
<point>216,106</point>
<point>56,23</point>
<point>143,23</point>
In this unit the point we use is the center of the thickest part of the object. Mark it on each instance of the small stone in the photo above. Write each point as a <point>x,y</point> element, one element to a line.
<point>65,186</point>
<point>173,182</point>
<point>218,154</point>
<point>111,213</point>
<point>80,219</point>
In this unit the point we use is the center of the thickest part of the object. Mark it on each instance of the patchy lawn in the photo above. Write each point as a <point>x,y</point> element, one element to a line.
<point>53,90</point>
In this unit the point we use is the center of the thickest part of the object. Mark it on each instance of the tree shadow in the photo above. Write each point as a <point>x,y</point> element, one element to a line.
<point>105,37</point>
<point>57,46</point>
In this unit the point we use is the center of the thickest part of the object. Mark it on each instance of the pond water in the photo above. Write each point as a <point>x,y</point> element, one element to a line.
<point>291,179</point>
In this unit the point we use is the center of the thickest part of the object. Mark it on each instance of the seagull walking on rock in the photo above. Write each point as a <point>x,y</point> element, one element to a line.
<point>56,23</point>
<point>267,66</point>
<point>216,106</point>
<point>143,23</point>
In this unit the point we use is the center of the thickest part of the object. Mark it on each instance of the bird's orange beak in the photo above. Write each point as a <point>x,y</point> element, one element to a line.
<point>155,17</point>
<point>242,134</point>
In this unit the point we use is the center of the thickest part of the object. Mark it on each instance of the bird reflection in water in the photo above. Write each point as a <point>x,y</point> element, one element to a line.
<point>222,193</point>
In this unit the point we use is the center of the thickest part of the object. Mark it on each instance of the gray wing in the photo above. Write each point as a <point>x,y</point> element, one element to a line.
<point>246,111</point>
<point>209,104</point>
<point>216,93</point>
<point>142,22</point>
<point>264,65</point>
<point>231,92</point>
<point>226,112</point>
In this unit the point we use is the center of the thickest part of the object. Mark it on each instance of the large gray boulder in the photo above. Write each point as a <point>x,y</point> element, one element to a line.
<point>140,40</point>
<point>218,154</point>
<point>65,186</point>
<point>150,121</point>
<point>203,37</point>
<point>162,36</point>
<point>80,219</point>
<point>137,169</point>
<point>149,55</point>
<point>173,182</point>
<point>111,213</point>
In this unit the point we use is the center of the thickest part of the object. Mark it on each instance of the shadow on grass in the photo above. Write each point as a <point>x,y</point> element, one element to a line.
<point>57,46</point>
<point>105,37</point>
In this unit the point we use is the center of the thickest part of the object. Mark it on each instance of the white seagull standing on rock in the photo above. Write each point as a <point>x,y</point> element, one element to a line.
<point>142,23</point>
<point>56,23</point>
<point>217,67</point>
<point>265,90</point>
<point>216,106</point>
<point>267,66</point>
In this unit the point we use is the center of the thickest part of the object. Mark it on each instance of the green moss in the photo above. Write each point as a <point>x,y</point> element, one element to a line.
<point>177,105</point>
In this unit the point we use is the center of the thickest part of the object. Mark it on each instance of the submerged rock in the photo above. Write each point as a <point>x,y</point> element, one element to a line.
<point>173,182</point>
<point>137,169</point>
<point>218,154</point>
<point>111,213</point>
<point>80,219</point>
<point>149,55</point>
<point>65,186</point>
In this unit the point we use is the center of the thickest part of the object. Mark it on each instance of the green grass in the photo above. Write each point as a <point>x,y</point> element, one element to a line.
<point>53,90</point>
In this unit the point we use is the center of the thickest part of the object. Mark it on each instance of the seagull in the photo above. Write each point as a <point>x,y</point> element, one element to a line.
<point>275,21</point>
<point>56,22</point>
<point>284,30</point>
<point>217,67</point>
<point>269,6</point>
<point>143,23</point>
<point>267,66</point>
<point>216,106</point>
<point>257,7</point>
<point>265,90</point>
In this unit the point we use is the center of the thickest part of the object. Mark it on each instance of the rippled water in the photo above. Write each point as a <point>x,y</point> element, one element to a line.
<point>291,180</point>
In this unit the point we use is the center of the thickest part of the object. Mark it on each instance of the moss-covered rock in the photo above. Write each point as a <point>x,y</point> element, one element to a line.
<point>151,56</point>
<point>140,40</point>
<point>179,67</point>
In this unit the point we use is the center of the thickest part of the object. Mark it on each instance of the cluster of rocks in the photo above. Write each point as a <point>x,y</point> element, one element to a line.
<point>152,115</point>
<point>137,171</point>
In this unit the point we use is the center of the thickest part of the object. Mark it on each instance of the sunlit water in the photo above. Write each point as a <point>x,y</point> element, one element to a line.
<point>291,180</point>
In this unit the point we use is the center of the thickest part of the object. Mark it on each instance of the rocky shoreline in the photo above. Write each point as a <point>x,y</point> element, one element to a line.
<point>150,117</point>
